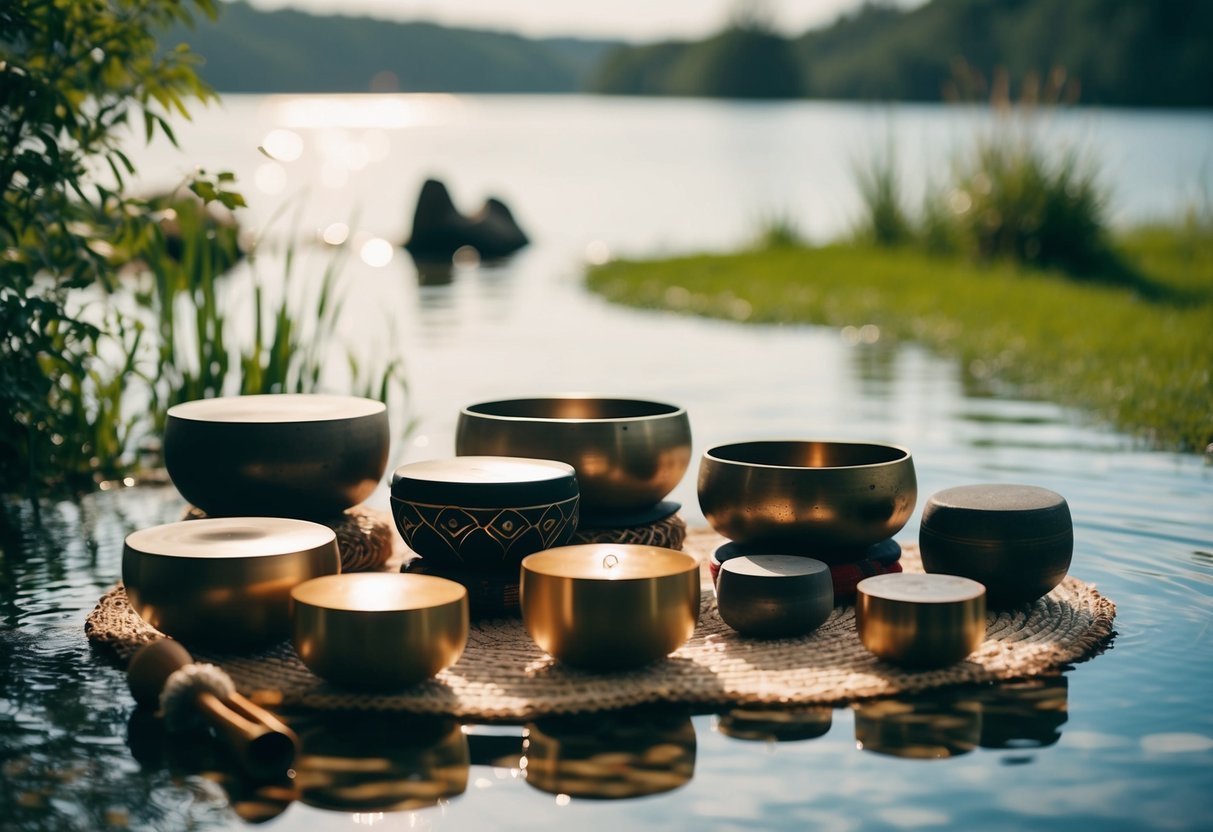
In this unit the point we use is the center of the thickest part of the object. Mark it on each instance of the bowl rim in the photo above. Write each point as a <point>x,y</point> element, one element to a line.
<point>453,592</point>
<point>198,410</point>
<point>712,454</point>
<point>668,410</point>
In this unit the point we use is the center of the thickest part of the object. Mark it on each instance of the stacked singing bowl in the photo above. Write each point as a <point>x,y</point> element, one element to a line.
<point>472,519</point>
<point>628,454</point>
<point>839,503</point>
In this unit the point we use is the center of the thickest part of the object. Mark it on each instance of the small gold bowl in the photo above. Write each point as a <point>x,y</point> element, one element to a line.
<point>813,494</point>
<point>606,607</point>
<point>628,453</point>
<point>920,620</point>
<point>379,630</point>
<point>282,455</point>
<point>224,581</point>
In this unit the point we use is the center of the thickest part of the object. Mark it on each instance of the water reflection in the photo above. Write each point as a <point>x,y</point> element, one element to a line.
<point>919,728</point>
<point>1010,715</point>
<point>198,755</point>
<point>379,762</point>
<point>611,756</point>
<point>776,724</point>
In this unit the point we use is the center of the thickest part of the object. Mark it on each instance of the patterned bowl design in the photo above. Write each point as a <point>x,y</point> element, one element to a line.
<point>495,538</point>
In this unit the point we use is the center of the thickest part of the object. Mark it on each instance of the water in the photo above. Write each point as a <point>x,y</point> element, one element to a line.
<point>1124,741</point>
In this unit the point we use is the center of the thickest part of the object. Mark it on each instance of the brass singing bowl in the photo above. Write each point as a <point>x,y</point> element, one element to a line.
<point>606,607</point>
<point>611,756</point>
<point>628,453</point>
<point>283,455</point>
<point>806,493</point>
<point>224,581</point>
<point>379,630</point>
<point>920,620</point>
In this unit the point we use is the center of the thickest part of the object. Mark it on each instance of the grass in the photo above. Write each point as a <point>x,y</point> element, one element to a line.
<point>1139,360</point>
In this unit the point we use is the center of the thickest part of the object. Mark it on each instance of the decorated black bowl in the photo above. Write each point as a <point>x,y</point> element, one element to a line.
<point>484,512</point>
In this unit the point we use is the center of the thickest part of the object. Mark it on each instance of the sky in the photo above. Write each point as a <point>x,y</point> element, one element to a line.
<point>639,20</point>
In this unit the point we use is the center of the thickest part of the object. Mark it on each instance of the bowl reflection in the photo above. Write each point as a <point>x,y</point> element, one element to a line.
<point>611,756</point>
<point>1017,715</point>
<point>379,762</point>
<point>920,728</point>
<point>776,724</point>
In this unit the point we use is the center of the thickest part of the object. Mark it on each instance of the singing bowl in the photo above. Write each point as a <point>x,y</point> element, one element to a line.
<point>484,513</point>
<point>1018,540</point>
<point>806,493</point>
<point>224,581</point>
<point>628,453</point>
<point>611,756</point>
<point>379,630</point>
<point>285,455</point>
<point>920,620</point>
<point>607,607</point>
<point>774,596</point>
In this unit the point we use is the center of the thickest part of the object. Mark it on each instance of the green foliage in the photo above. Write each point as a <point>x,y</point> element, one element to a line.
<point>1012,200</point>
<point>884,221</point>
<point>285,50</point>
<point>284,347</point>
<point>1139,363</point>
<point>740,62</point>
<point>778,230</point>
<point>73,74</point>
<point>744,61</point>
<point>1009,197</point>
<point>1118,52</point>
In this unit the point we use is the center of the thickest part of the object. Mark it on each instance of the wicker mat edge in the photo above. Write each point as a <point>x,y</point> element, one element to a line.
<point>503,675</point>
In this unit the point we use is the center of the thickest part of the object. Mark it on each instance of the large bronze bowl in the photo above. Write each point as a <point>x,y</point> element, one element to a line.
<point>807,494</point>
<point>628,453</point>
<point>225,581</point>
<point>283,455</point>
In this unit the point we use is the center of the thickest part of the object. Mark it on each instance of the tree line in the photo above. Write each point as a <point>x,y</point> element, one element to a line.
<point>1112,52</point>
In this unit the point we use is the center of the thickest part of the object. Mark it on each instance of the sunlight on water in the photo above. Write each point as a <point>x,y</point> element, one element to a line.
<point>1119,742</point>
<point>389,112</point>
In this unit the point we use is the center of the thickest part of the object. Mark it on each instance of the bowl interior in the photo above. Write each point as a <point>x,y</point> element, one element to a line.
<point>798,454</point>
<point>573,408</point>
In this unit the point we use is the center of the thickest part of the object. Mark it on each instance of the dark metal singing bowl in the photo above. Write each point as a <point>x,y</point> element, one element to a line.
<point>628,453</point>
<point>812,494</point>
<point>284,455</point>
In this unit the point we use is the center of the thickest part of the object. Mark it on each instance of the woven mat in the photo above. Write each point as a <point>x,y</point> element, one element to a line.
<point>503,675</point>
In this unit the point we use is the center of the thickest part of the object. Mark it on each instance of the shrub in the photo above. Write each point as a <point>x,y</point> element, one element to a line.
<point>884,221</point>
<point>73,75</point>
<point>1015,200</point>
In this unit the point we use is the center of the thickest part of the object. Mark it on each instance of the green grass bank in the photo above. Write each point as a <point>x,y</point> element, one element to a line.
<point>1135,350</point>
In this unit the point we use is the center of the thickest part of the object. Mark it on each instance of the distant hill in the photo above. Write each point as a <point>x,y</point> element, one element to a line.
<point>1114,52</point>
<point>289,51</point>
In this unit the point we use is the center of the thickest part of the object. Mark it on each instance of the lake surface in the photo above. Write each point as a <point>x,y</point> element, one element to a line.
<point>1124,741</point>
